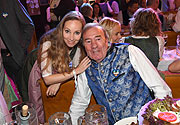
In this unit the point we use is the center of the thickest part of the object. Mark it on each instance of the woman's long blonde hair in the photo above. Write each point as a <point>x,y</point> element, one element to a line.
<point>58,53</point>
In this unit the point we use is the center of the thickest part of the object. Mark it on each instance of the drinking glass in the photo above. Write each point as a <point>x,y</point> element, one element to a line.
<point>31,118</point>
<point>10,119</point>
<point>60,118</point>
<point>13,122</point>
<point>95,114</point>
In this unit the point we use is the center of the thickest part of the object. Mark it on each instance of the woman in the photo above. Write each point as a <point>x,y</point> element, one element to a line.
<point>113,28</point>
<point>114,4</point>
<point>146,34</point>
<point>60,52</point>
<point>97,12</point>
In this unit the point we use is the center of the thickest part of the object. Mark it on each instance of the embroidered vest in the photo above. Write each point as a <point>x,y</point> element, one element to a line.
<point>149,46</point>
<point>117,86</point>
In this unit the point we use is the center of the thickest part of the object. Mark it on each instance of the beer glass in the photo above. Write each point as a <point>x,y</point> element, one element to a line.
<point>60,118</point>
<point>95,114</point>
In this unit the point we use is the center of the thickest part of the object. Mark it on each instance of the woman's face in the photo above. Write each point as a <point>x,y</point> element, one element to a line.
<point>96,9</point>
<point>116,33</point>
<point>72,32</point>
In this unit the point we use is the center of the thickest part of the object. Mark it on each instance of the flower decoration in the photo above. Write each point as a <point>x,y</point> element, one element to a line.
<point>5,15</point>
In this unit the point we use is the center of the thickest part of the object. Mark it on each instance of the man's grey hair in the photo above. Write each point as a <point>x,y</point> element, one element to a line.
<point>91,25</point>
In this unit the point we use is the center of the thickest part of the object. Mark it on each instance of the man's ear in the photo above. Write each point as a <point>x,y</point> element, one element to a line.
<point>107,42</point>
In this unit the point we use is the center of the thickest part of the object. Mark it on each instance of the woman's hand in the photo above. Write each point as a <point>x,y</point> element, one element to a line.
<point>84,64</point>
<point>53,89</point>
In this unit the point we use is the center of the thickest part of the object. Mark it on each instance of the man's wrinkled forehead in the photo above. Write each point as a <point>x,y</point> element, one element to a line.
<point>93,32</point>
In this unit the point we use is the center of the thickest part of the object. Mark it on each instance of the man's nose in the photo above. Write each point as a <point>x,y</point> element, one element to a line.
<point>94,44</point>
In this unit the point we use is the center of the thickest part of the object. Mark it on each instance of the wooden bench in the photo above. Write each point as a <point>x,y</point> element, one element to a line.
<point>62,101</point>
<point>173,80</point>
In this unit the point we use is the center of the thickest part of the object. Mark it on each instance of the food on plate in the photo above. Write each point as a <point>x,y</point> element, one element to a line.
<point>176,106</point>
<point>160,112</point>
<point>167,116</point>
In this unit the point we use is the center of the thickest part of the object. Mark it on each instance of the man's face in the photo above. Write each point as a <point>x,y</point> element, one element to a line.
<point>155,5</point>
<point>95,43</point>
<point>177,3</point>
<point>133,8</point>
<point>143,3</point>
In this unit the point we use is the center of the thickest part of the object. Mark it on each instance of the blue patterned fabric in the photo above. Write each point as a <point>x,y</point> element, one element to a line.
<point>116,85</point>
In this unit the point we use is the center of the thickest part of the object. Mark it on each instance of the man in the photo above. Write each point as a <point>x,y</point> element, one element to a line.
<point>176,25</point>
<point>16,30</point>
<point>87,11</point>
<point>142,3</point>
<point>106,8</point>
<point>120,77</point>
<point>154,4</point>
<point>59,8</point>
<point>131,9</point>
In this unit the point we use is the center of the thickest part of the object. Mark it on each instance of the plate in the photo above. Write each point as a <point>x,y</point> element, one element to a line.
<point>126,121</point>
<point>142,111</point>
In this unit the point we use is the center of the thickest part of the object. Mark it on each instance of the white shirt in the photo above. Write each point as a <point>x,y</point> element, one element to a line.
<point>176,26</point>
<point>140,64</point>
